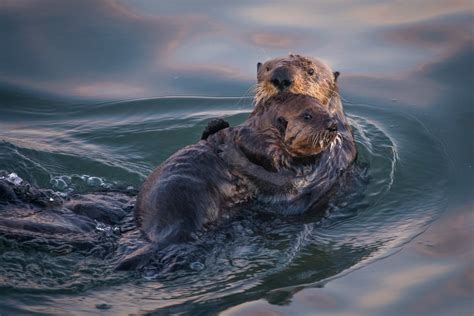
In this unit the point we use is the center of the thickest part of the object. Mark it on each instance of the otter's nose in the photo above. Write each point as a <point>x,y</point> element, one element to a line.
<point>331,125</point>
<point>281,78</point>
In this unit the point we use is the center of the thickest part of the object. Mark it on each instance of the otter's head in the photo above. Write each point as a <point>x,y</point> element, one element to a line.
<point>307,128</point>
<point>295,74</point>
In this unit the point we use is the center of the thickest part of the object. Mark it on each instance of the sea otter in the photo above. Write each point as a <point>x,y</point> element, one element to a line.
<point>296,74</point>
<point>266,172</point>
<point>202,183</point>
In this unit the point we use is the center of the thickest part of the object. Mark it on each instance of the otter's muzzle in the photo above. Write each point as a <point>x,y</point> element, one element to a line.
<point>281,78</point>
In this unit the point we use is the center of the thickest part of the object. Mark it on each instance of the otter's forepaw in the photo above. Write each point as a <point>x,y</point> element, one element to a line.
<point>213,127</point>
<point>232,156</point>
<point>279,159</point>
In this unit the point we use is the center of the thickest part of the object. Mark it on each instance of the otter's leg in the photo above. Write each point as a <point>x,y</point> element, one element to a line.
<point>213,127</point>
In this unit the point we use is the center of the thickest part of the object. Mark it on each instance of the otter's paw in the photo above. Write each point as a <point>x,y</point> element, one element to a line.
<point>278,158</point>
<point>232,156</point>
<point>213,127</point>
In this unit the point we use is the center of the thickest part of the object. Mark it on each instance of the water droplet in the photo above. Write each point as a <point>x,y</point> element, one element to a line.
<point>103,306</point>
<point>196,266</point>
<point>95,182</point>
<point>13,178</point>
<point>58,184</point>
<point>150,275</point>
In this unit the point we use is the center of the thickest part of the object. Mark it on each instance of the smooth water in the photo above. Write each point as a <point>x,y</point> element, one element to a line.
<point>406,84</point>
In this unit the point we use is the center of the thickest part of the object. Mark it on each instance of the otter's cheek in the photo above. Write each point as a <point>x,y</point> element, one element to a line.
<point>264,91</point>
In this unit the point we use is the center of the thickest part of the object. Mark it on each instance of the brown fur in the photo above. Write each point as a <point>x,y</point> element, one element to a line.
<point>305,131</point>
<point>310,76</point>
<point>202,183</point>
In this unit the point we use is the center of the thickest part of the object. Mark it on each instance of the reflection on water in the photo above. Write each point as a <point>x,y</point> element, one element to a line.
<point>257,255</point>
<point>426,278</point>
<point>70,74</point>
<point>123,49</point>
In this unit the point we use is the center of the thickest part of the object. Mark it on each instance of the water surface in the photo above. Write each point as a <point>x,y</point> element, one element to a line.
<point>95,94</point>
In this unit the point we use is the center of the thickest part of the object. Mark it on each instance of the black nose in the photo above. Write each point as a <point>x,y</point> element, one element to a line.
<point>331,125</point>
<point>281,78</point>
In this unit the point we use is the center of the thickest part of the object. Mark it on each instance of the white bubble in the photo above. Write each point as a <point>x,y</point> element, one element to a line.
<point>95,181</point>
<point>13,178</point>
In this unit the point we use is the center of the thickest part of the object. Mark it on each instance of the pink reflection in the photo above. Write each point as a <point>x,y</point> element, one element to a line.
<point>357,14</point>
<point>107,90</point>
<point>276,40</point>
<point>454,238</point>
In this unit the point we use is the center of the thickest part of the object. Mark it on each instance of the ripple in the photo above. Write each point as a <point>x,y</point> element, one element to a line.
<point>390,196</point>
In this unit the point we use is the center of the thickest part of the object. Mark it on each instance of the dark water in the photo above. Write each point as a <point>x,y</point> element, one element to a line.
<point>88,102</point>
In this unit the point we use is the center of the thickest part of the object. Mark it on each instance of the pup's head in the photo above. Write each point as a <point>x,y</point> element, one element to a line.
<point>306,126</point>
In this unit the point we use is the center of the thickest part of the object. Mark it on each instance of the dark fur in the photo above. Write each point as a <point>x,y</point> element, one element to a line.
<point>201,183</point>
<point>213,127</point>
<point>321,171</point>
<point>28,212</point>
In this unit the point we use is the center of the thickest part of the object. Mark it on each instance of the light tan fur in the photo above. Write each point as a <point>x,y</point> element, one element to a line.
<point>310,77</point>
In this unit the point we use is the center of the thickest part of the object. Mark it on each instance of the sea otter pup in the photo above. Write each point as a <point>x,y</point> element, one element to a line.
<point>201,183</point>
<point>310,180</point>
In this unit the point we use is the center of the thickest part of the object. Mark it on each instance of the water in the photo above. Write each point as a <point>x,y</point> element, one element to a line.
<point>94,110</point>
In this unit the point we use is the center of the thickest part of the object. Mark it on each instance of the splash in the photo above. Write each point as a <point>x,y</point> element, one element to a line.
<point>12,178</point>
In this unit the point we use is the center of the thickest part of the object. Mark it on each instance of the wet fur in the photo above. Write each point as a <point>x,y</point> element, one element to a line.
<point>201,184</point>
<point>170,208</point>
<point>314,175</point>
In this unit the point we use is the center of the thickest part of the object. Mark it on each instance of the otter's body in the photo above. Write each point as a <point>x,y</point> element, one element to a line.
<point>296,74</point>
<point>267,159</point>
<point>202,183</point>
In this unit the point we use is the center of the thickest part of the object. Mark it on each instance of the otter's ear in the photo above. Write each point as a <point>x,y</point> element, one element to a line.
<point>258,66</point>
<point>336,75</point>
<point>281,124</point>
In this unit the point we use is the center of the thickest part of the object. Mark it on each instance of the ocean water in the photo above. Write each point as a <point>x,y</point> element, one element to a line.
<point>95,94</point>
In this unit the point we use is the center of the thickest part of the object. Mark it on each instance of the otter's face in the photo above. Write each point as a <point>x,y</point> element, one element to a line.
<point>295,74</point>
<point>307,128</point>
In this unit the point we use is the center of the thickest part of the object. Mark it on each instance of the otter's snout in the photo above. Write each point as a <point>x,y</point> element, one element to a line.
<point>281,78</point>
<point>331,125</point>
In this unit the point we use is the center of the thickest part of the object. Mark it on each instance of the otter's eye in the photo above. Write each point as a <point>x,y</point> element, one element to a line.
<point>268,68</point>
<point>307,116</point>
<point>310,71</point>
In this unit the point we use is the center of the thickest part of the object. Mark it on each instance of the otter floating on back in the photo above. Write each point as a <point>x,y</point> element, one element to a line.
<point>201,183</point>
